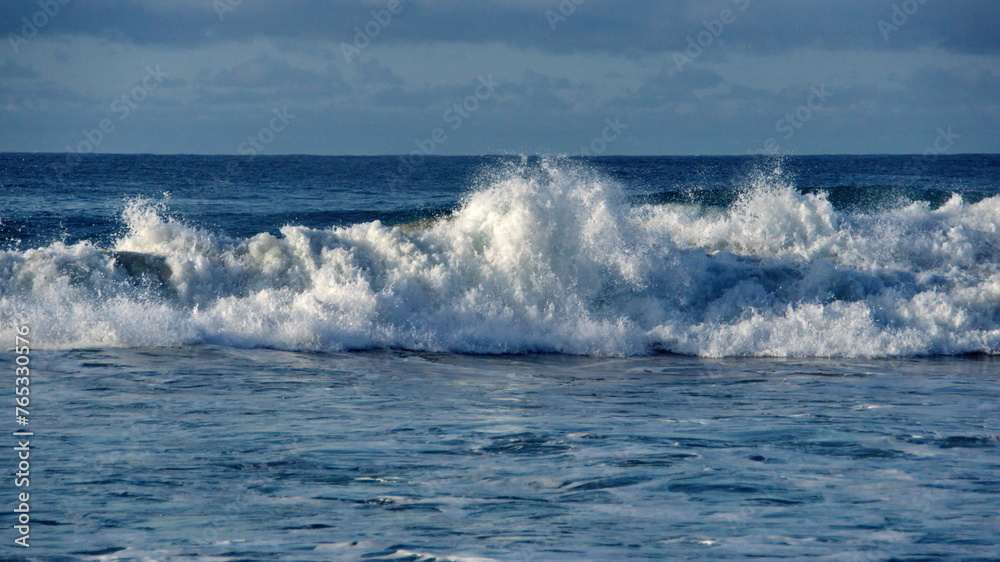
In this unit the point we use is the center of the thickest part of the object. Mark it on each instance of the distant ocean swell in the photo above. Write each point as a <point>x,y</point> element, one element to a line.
<point>545,257</point>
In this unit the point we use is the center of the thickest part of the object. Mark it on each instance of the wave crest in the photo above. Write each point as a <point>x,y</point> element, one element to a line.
<point>544,257</point>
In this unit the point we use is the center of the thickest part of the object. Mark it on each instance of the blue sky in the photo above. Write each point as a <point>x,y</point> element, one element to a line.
<point>500,76</point>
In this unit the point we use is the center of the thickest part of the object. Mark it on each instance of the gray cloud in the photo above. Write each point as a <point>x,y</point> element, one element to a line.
<point>893,81</point>
<point>638,26</point>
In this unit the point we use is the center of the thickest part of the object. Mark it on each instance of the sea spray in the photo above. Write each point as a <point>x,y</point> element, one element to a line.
<point>541,256</point>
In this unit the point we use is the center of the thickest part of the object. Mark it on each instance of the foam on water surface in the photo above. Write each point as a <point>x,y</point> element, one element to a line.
<point>207,452</point>
<point>545,256</point>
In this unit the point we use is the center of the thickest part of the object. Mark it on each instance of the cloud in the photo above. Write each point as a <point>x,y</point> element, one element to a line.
<point>371,72</point>
<point>643,27</point>
<point>936,67</point>
<point>264,79</point>
<point>12,69</point>
<point>24,88</point>
<point>262,72</point>
<point>955,86</point>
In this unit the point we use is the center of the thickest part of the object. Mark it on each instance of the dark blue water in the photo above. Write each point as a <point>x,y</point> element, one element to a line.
<point>44,198</point>
<point>506,358</point>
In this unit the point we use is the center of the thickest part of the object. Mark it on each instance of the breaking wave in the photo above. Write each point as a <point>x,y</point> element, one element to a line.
<point>542,257</point>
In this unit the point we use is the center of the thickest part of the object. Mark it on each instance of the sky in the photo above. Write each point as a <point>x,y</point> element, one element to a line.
<point>600,77</point>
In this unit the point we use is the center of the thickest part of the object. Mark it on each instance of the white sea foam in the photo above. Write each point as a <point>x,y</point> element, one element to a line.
<point>545,257</point>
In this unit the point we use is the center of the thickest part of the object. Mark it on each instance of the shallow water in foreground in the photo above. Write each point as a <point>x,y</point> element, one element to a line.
<point>173,453</point>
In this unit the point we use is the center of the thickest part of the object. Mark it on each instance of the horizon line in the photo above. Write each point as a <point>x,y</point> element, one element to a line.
<point>490,155</point>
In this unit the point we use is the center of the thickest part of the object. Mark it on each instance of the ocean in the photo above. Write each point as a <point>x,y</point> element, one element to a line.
<point>502,357</point>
